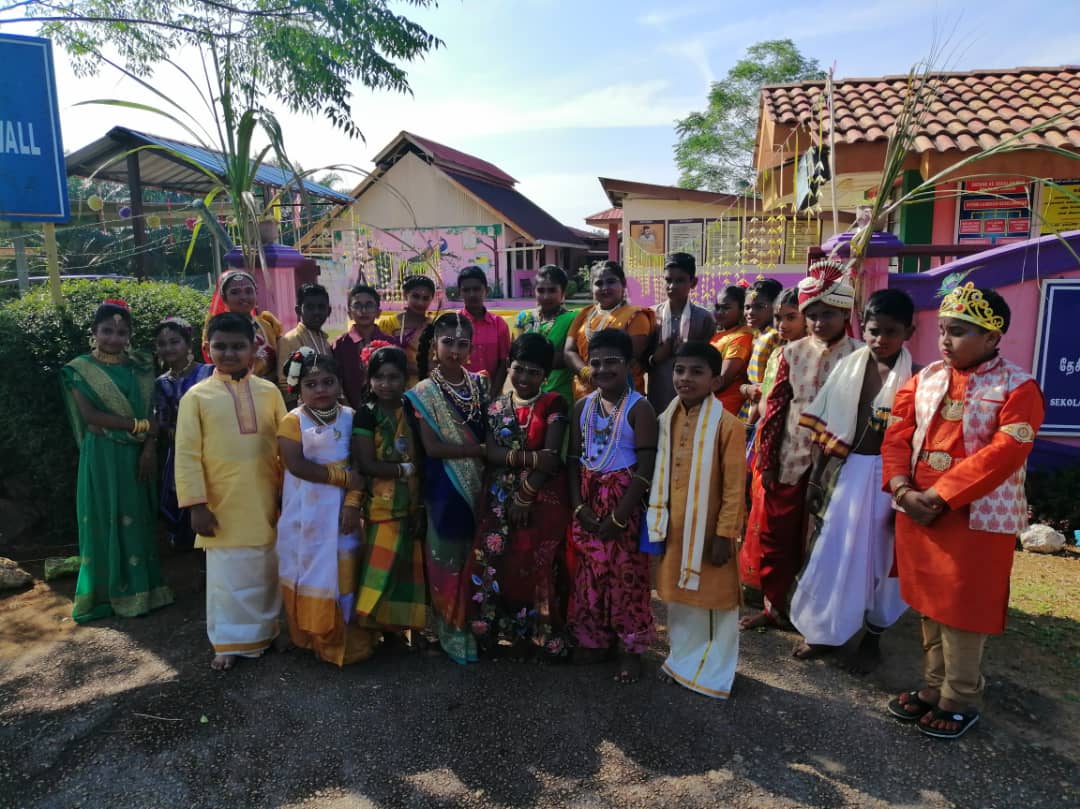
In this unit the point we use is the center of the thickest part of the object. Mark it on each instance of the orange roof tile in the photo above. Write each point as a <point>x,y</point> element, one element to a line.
<point>976,108</point>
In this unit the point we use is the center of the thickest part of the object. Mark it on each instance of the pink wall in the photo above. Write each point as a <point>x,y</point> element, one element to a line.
<point>944,227</point>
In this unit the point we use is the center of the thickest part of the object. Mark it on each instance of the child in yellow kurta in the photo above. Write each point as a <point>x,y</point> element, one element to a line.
<point>696,509</point>
<point>227,473</point>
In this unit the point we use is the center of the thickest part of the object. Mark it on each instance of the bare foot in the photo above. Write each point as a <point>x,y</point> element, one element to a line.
<point>629,668</point>
<point>808,651</point>
<point>866,657</point>
<point>223,662</point>
<point>759,620</point>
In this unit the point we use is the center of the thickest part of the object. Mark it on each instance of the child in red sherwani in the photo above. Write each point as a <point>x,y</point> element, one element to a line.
<point>954,459</point>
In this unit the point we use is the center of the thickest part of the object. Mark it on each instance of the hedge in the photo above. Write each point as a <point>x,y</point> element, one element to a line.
<point>38,454</point>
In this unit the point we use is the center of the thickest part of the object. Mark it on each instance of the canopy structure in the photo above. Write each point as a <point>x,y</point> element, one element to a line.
<point>139,159</point>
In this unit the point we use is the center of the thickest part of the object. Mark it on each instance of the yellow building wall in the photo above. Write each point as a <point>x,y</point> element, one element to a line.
<point>433,201</point>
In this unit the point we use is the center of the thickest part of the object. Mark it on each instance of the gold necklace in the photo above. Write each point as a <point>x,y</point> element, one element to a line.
<point>107,359</point>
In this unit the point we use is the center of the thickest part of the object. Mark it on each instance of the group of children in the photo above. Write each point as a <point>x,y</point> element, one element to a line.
<point>521,522</point>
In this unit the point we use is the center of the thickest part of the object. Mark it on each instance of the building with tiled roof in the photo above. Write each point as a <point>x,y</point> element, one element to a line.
<point>970,111</point>
<point>429,208</point>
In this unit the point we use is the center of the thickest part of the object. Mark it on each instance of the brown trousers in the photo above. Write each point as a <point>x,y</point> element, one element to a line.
<point>952,662</point>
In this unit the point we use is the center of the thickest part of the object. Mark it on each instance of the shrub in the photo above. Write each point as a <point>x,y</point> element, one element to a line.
<point>1052,498</point>
<point>36,339</point>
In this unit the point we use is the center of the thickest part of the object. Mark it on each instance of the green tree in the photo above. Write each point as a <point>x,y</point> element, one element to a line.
<point>716,147</point>
<point>304,53</point>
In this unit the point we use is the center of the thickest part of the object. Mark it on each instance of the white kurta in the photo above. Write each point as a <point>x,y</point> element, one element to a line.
<point>846,579</point>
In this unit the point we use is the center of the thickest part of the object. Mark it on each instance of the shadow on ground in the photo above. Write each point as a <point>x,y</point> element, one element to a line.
<point>111,715</point>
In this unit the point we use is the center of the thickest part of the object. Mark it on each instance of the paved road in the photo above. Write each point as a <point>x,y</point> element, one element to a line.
<point>110,716</point>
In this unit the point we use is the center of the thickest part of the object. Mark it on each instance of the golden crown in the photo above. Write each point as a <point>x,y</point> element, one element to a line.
<point>967,303</point>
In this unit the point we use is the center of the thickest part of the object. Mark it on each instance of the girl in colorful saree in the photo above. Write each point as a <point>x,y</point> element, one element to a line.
<point>449,406</point>
<point>392,595</point>
<point>172,342</point>
<point>521,526</point>
<point>237,292</point>
<point>108,395</point>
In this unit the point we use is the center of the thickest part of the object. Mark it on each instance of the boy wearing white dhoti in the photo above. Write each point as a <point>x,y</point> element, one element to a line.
<point>228,474</point>
<point>696,508</point>
<point>846,583</point>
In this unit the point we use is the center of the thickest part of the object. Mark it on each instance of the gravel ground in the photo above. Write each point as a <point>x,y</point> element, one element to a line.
<point>128,714</point>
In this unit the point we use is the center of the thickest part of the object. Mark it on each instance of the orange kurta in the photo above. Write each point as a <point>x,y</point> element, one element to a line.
<point>719,586</point>
<point>948,571</point>
<point>734,343</point>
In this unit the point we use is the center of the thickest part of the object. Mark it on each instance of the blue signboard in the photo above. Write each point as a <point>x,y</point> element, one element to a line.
<point>34,184</point>
<point>1057,356</point>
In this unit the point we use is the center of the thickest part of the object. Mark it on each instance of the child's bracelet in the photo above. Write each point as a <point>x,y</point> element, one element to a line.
<point>578,510</point>
<point>616,523</point>
<point>354,499</point>
<point>530,490</point>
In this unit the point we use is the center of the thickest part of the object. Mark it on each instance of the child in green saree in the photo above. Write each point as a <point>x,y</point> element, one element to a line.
<point>108,397</point>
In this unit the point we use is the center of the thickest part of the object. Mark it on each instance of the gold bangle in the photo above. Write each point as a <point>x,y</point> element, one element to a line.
<point>901,490</point>
<point>354,499</point>
<point>616,523</point>
<point>528,488</point>
<point>578,510</point>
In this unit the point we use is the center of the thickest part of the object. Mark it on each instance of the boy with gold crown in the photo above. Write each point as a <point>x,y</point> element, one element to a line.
<point>784,449</point>
<point>954,460</point>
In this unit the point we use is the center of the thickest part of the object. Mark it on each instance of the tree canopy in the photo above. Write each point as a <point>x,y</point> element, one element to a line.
<point>303,53</point>
<point>716,147</point>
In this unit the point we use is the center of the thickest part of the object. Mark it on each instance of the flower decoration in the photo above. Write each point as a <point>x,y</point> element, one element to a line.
<point>371,348</point>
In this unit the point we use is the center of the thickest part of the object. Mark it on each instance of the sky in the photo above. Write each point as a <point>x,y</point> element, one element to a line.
<point>558,93</point>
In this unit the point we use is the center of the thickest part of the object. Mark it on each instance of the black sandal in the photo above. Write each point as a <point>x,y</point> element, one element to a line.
<point>897,708</point>
<point>965,721</point>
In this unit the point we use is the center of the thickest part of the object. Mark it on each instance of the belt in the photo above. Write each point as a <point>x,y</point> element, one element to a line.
<point>938,461</point>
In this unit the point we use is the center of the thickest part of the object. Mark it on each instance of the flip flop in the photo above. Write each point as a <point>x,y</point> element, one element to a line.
<point>896,707</point>
<point>965,720</point>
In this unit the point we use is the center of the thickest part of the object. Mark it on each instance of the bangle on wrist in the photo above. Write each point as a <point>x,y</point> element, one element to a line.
<point>578,510</point>
<point>616,523</point>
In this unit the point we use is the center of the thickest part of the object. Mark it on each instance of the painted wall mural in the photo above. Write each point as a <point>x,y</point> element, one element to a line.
<point>383,257</point>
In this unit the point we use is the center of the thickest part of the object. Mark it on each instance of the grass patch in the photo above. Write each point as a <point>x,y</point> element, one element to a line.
<point>1044,606</point>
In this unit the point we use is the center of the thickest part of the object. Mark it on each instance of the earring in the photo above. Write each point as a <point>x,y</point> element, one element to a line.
<point>93,343</point>
<point>190,357</point>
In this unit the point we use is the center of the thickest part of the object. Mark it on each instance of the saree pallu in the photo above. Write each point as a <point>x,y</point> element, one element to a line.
<point>451,493</point>
<point>518,597</point>
<point>119,572</point>
<point>637,321</point>
<point>612,588</point>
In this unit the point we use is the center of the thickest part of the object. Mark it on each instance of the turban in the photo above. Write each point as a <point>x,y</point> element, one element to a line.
<point>825,282</point>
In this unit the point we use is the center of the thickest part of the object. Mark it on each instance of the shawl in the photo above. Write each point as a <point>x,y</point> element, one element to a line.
<point>832,415</point>
<point>432,407</point>
<point>694,528</point>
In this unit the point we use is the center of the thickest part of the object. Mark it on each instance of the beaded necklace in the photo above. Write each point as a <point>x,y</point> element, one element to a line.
<point>469,403</point>
<point>602,441</point>
<point>325,417</point>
